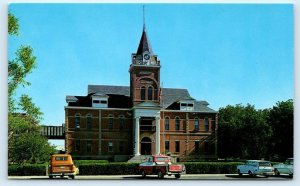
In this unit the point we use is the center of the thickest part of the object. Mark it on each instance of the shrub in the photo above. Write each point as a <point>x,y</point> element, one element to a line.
<point>87,162</point>
<point>27,170</point>
<point>108,169</point>
<point>211,167</point>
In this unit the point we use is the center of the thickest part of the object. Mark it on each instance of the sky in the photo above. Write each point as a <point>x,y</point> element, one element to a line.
<point>223,53</point>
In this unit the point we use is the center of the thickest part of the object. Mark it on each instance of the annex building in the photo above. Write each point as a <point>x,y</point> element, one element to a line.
<point>122,122</point>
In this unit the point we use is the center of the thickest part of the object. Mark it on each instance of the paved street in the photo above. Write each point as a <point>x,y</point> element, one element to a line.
<point>153,177</point>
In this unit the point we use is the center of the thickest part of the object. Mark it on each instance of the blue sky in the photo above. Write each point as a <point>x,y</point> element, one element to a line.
<point>222,53</point>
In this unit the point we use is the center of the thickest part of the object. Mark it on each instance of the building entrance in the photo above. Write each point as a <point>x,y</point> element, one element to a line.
<point>146,146</point>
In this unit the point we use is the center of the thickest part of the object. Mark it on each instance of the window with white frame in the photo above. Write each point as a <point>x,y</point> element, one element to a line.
<point>77,121</point>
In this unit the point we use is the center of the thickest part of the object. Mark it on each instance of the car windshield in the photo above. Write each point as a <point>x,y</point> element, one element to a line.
<point>264,163</point>
<point>61,158</point>
<point>162,159</point>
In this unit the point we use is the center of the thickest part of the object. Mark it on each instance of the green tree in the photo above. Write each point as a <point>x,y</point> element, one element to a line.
<point>281,119</point>
<point>243,132</point>
<point>23,115</point>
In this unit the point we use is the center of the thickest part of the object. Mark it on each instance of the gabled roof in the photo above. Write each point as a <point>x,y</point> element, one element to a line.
<point>108,89</point>
<point>119,97</point>
<point>144,44</point>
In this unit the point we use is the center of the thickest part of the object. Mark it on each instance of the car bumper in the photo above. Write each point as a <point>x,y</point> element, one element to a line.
<point>265,173</point>
<point>63,174</point>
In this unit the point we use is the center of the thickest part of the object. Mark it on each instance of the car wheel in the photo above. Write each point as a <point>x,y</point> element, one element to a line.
<point>239,172</point>
<point>177,176</point>
<point>72,177</point>
<point>251,174</point>
<point>143,174</point>
<point>160,174</point>
<point>277,173</point>
<point>51,177</point>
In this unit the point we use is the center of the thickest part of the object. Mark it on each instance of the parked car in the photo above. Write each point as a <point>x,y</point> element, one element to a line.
<point>285,168</point>
<point>62,165</point>
<point>161,165</point>
<point>256,167</point>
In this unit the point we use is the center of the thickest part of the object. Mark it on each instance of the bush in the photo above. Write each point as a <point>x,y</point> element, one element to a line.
<point>87,162</point>
<point>108,169</point>
<point>27,170</point>
<point>211,167</point>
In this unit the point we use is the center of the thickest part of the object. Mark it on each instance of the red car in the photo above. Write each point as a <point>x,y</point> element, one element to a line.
<point>161,165</point>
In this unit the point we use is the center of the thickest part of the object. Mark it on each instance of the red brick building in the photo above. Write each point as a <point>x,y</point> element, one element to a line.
<point>118,122</point>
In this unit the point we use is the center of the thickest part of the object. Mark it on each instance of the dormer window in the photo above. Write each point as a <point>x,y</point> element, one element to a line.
<point>186,106</point>
<point>99,100</point>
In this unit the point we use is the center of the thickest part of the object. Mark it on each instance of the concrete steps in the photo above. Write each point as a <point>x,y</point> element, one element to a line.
<point>139,159</point>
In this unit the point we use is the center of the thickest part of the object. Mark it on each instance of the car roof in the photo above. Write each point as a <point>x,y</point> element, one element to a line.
<point>258,160</point>
<point>61,155</point>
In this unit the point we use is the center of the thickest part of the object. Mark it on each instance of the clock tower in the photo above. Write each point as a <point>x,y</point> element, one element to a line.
<point>144,73</point>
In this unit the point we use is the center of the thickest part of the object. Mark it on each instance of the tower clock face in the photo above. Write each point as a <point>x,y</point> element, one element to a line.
<point>146,56</point>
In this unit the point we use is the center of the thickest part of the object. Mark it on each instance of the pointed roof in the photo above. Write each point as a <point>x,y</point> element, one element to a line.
<point>144,43</point>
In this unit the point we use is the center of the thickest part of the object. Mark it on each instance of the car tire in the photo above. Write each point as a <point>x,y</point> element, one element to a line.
<point>177,176</point>
<point>72,177</point>
<point>160,174</point>
<point>51,177</point>
<point>277,173</point>
<point>239,172</point>
<point>143,173</point>
<point>251,174</point>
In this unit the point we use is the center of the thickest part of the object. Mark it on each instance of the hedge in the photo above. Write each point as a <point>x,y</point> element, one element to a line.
<point>109,169</point>
<point>211,167</point>
<point>86,162</point>
<point>27,170</point>
<point>131,168</point>
<point>95,167</point>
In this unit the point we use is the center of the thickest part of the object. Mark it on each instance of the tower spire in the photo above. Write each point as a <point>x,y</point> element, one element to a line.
<point>144,23</point>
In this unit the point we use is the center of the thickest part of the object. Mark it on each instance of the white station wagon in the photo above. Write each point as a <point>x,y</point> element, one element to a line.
<point>256,167</point>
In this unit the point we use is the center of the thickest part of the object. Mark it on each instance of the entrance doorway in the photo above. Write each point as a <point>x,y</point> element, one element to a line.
<point>146,146</point>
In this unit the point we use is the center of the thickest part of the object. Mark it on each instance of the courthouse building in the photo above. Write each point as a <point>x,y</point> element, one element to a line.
<point>121,122</point>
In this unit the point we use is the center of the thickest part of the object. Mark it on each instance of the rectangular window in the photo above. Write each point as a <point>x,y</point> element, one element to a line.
<point>103,102</point>
<point>110,123</point>
<point>122,121</point>
<point>61,158</point>
<point>167,146</point>
<point>190,105</point>
<point>88,146</point>
<point>110,146</point>
<point>77,122</point>
<point>167,124</point>
<point>177,124</point>
<point>88,122</point>
<point>96,101</point>
<point>206,124</point>
<point>77,145</point>
<point>177,146</point>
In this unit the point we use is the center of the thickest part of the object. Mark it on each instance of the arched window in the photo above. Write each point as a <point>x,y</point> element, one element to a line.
<point>150,93</point>
<point>177,123</point>
<point>77,121</point>
<point>143,93</point>
<point>155,94</point>
<point>167,123</point>
<point>206,124</point>
<point>110,122</point>
<point>89,121</point>
<point>196,124</point>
